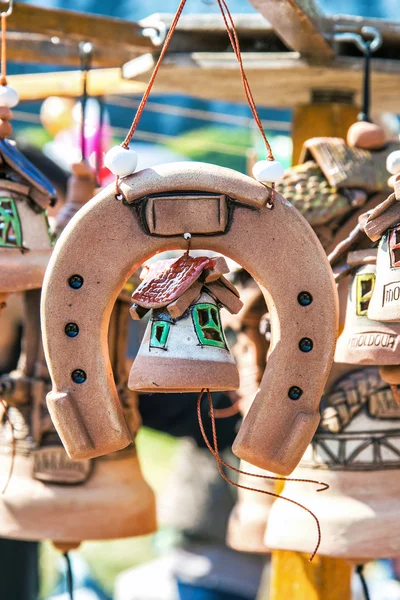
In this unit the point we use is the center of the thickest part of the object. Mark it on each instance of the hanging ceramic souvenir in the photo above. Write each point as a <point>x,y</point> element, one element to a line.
<point>357,452</point>
<point>148,212</point>
<point>25,239</point>
<point>364,341</point>
<point>46,495</point>
<point>25,194</point>
<point>184,346</point>
<point>384,224</point>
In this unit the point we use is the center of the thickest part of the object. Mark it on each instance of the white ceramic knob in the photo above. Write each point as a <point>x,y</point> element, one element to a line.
<point>8,96</point>
<point>121,161</point>
<point>393,162</point>
<point>268,171</point>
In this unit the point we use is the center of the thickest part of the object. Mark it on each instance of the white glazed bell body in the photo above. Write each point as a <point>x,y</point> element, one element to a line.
<point>185,354</point>
<point>385,302</point>
<point>393,162</point>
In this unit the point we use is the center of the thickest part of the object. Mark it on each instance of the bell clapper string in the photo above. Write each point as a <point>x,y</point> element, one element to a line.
<point>395,392</point>
<point>360,573</point>
<point>4,15</point>
<point>10,472</point>
<point>69,576</point>
<point>85,55</point>
<point>234,40</point>
<point>220,463</point>
<point>188,237</point>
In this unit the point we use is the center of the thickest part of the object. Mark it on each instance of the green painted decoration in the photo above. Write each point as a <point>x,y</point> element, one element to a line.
<point>208,325</point>
<point>159,334</point>
<point>10,224</point>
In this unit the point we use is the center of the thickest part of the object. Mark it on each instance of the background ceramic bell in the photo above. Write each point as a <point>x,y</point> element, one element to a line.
<point>25,239</point>
<point>249,348</point>
<point>384,224</point>
<point>46,494</point>
<point>184,347</point>
<point>357,452</point>
<point>363,341</point>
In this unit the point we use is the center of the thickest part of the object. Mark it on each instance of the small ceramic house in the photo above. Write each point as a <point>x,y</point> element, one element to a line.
<point>25,238</point>
<point>384,224</point>
<point>184,346</point>
<point>334,183</point>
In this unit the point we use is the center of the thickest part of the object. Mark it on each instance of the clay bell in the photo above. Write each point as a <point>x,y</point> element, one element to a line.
<point>46,495</point>
<point>184,347</point>
<point>25,238</point>
<point>357,452</point>
<point>364,341</point>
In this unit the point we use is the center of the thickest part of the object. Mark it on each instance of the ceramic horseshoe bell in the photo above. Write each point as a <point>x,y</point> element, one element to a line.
<point>225,212</point>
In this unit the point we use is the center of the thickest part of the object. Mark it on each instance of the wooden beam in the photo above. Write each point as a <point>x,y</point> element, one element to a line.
<point>294,577</point>
<point>277,79</point>
<point>73,25</point>
<point>38,86</point>
<point>299,24</point>
<point>39,49</point>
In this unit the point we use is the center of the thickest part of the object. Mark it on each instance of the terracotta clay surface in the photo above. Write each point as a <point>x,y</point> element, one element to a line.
<point>364,341</point>
<point>359,515</point>
<point>36,510</point>
<point>366,136</point>
<point>277,247</point>
<point>248,519</point>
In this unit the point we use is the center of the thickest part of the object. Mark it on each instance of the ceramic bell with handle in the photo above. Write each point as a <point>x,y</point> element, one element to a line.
<point>184,348</point>
<point>364,341</point>
<point>146,212</point>
<point>356,451</point>
<point>46,495</point>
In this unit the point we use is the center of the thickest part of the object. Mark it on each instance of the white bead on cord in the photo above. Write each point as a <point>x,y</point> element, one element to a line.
<point>268,171</point>
<point>8,96</point>
<point>393,162</point>
<point>121,161</point>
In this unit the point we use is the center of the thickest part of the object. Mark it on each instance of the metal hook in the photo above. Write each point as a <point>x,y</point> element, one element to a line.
<point>154,29</point>
<point>7,13</point>
<point>363,43</point>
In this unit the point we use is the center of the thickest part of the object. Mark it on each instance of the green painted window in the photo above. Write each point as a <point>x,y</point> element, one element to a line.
<point>159,334</point>
<point>10,225</point>
<point>208,325</point>
<point>51,235</point>
<point>364,287</point>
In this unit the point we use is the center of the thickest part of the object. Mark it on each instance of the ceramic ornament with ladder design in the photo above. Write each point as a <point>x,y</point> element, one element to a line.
<point>46,495</point>
<point>225,212</point>
<point>357,445</point>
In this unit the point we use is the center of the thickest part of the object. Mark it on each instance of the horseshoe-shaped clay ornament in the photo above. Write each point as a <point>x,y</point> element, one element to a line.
<point>225,212</point>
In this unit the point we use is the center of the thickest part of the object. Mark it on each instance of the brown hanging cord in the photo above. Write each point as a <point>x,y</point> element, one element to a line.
<point>10,472</point>
<point>233,37</point>
<point>220,463</point>
<point>3,80</point>
<point>395,392</point>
